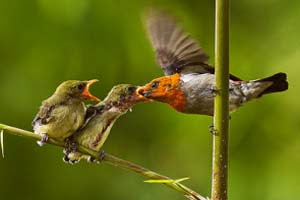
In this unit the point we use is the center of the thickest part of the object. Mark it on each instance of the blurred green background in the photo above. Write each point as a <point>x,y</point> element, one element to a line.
<point>44,42</point>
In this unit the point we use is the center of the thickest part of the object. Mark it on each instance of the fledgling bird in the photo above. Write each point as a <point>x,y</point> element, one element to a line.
<point>189,81</point>
<point>63,113</point>
<point>101,117</point>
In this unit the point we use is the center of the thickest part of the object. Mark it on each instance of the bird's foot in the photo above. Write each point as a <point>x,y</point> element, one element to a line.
<point>215,91</point>
<point>100,157</point>
<point>43,140</point>
<point>66,159</point>
<point>71,146</point>
<point>91,159</point>
<point>212,130</point>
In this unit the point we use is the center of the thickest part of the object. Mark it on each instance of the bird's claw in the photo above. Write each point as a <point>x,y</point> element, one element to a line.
<point>215,91</point>
<point>43,140</point>
<point>71,146</point>
<point>66,159</point>
<point>212,130</point>
<point>90,159</point>
<point>100,157</point>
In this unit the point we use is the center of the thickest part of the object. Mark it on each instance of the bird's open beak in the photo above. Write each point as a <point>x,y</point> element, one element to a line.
<point>86,93</point>
<point>142,94</point>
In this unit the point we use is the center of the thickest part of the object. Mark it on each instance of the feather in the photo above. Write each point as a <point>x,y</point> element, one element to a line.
<point>174,48</point>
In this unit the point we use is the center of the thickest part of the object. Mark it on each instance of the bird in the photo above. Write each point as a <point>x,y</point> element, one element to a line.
<point>99,120</point>
<point>63,113</point>
<point>188,84</point>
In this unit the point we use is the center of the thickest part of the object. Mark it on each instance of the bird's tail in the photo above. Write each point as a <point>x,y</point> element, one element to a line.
<point>257,88</point>
<point>279,83</point>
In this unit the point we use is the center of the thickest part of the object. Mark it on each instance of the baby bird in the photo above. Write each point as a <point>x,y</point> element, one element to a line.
<point>63,113</point>
<point>101,117</point>
<point>189,81</point>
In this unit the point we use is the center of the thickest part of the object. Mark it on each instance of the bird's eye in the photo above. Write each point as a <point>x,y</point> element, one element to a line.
<point>122,97</point>
<point>80,86</point>
<point>155,84</point>
<point>131,89</point>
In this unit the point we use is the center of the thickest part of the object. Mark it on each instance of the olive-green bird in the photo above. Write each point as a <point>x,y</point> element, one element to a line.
<point>101,117</point>
<point>63,113</point>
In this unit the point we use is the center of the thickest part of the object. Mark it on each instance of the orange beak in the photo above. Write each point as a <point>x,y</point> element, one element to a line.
<point>140,96</point>
<point>86,93</point>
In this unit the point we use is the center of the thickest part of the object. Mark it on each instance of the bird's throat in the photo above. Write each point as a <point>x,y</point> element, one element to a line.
<point>174,95</point>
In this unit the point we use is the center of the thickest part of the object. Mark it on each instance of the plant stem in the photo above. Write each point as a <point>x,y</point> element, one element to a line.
<point>112,160</point>
<point>221,108</point>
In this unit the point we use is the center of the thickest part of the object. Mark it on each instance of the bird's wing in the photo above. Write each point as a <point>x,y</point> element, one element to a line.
<point>44,115</point>
<point>176,51</point>
<point>90,113</point>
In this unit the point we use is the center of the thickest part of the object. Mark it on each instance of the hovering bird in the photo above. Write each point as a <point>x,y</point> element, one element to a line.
<point>189,81</point>
<point>63,113</point>
<point>100,118</point>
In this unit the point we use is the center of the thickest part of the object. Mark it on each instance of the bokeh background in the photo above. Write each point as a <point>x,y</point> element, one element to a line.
<point>43,42</point>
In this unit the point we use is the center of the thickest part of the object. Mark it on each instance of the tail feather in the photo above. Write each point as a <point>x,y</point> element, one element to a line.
<point>279,83</point>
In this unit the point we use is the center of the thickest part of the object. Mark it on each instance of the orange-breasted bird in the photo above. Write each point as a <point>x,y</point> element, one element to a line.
<point>189,81</point>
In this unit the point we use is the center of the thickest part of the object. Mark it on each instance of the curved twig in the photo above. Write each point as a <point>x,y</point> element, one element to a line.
<point>113,160</point>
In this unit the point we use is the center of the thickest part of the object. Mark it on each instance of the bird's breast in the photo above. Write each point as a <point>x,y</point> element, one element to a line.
<point>174,95</point>
<point>199,92</point>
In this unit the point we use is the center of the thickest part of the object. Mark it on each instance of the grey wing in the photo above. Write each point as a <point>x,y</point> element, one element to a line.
<point>43,116</point>
<point>91,112</point>
<point>176,51</point>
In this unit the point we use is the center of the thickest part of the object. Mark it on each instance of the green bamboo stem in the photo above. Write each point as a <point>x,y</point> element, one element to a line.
<point>112,160</point>
<point>221,108</point>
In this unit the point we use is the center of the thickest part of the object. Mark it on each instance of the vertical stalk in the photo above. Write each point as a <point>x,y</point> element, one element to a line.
<point>221,106</point>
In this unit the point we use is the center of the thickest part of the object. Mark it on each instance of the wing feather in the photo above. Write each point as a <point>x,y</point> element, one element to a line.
<point>43,116</point>
<point>175,49</point>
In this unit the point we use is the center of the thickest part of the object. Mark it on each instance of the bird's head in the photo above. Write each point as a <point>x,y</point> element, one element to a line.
<point>76,89</point>
<point>124,96</point>
<point>164,89</point>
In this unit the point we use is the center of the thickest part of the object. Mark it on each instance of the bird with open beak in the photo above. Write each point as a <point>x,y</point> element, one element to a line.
<point>189,81</point>
<point>100,118</point>
<point>63,113</point>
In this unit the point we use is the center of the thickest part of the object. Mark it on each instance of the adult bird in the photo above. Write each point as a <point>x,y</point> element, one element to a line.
<point>63,113</point>
<point>189,81</point>
<point>100,118</point>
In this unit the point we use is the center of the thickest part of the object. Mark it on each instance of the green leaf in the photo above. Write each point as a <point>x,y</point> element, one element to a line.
<point>166,180</point>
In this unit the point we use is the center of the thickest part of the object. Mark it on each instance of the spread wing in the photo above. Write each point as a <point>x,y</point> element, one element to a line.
<point>176,51</point>
<point>44,115</point>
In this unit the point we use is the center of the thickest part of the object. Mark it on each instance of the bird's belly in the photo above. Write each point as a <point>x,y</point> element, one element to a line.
<point>63,126</point>
<point>200,93</point>
<point>97,130</point>
<point>203,103</point>
<point>200,102</point>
